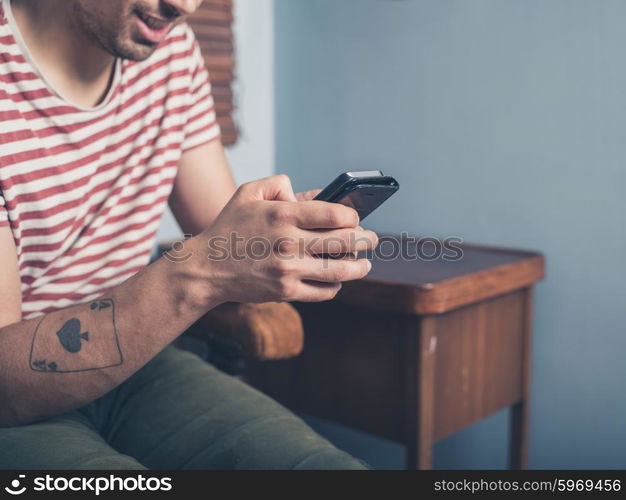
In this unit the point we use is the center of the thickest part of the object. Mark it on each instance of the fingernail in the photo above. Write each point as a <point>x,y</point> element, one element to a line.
<point>369,266</point>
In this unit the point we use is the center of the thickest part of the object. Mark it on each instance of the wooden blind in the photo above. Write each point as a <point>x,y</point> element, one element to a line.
<point>213,25</point>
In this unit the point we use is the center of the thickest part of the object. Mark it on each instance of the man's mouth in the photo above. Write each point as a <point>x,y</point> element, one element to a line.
<point>153,29</point>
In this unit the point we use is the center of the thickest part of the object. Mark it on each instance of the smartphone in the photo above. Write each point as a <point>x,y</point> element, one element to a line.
<point>364,191</point>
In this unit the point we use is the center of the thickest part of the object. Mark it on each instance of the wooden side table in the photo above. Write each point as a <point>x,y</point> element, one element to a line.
<point>418,350</point>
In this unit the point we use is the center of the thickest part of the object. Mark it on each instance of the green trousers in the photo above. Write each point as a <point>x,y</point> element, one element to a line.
<point>177,412</point>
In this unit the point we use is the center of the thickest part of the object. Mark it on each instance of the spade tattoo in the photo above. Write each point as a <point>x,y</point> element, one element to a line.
<point>81,343</point>
<point>43,366</point>
<point>71,337</point>
<point>103,305</point>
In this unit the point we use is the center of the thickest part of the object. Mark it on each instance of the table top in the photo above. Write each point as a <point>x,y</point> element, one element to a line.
<point>433,286</point>
<point>440,279</point>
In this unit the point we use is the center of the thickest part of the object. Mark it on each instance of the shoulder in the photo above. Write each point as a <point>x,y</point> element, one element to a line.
<point>180,40</point>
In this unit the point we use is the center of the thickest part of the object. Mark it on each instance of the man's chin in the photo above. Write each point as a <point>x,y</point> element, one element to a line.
<point>135,51</point>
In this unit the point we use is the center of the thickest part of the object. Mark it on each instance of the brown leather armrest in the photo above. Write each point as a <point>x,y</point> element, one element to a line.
<point>272,330</point>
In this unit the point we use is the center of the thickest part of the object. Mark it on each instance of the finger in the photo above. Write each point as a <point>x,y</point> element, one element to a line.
<point>346,255</point>
<point>340,241</point>
<point>360,228</point>
<point>315,291</point>
<point>276,187</point>
<point>314,214</point>
<point>335,271</point>
<point>308,195</point>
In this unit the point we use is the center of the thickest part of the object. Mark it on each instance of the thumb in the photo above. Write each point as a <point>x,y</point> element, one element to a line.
<point>276,187</point>
<point>308,195</point>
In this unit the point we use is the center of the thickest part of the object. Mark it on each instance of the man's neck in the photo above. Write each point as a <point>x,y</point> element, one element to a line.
<point>75,65</point>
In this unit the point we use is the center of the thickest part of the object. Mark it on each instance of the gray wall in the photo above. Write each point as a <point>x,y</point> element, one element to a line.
<point>505,123</point>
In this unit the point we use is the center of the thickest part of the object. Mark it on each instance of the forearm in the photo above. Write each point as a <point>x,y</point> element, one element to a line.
<point>67,358</point>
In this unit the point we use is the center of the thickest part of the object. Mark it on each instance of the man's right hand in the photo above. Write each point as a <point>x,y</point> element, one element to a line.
<point>265,246</point>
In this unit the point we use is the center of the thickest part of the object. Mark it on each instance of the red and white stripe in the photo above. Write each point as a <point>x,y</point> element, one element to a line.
<point>83,190</point>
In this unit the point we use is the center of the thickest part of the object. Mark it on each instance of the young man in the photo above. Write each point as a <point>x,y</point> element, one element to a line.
<point>105,115</point>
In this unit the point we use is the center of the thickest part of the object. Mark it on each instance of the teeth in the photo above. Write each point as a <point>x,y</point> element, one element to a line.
<point>157,25</point>
<point>152,23</point>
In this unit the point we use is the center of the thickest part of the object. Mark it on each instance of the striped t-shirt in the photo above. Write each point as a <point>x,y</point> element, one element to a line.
<point>83,190</point>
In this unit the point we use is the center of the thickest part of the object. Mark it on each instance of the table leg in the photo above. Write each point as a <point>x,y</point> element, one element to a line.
<point>518,448</point>
<point>421,351</point>
<point>520,415</point>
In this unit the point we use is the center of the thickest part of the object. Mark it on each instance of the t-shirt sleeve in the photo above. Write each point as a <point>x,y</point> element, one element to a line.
<point>200,124</point>
<point>4,217</point>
